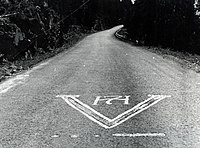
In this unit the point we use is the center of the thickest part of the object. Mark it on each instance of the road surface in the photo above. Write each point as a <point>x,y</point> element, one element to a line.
<point>102,93</point>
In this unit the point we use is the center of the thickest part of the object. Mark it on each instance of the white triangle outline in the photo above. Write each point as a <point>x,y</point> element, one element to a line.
<point>104,121</point>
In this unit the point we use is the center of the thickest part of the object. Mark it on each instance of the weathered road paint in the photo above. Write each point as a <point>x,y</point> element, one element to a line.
<point>18,79</point>
<point>105,121</point>
<point>140,135</point>
<point>109,99</point>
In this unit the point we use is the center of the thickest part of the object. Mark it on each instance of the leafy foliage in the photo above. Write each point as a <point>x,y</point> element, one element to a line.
<point>28,28</point>
<point>166,23</point>
<point>31,26</point>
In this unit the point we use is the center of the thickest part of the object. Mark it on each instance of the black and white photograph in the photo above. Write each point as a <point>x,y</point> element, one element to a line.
<point>99,73</point>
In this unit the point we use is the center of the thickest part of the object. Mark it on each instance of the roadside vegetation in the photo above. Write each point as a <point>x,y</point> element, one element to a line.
<point>34,30</point>
<point>167,27</point>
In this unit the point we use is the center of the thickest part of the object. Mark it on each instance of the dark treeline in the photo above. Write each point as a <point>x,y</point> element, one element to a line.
<point>32,25</point>
<point>97,14</point>
<point>165,23</point>
<point>39,25</point>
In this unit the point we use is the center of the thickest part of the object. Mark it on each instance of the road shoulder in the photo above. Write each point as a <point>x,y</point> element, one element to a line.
<point>185,59</point>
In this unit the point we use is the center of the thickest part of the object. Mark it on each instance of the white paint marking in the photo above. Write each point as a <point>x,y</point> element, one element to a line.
<point>105,121</point>
<point>44,64</point>
<point>140,135</point>
<point>109,99</point>
<point>74,136</point>
<point>19,79</point>
<point>55,136</point>
<point>96,136</point>
<point>86,110</point>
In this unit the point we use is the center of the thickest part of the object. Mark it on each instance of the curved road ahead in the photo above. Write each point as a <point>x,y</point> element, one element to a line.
<point>102,93</point>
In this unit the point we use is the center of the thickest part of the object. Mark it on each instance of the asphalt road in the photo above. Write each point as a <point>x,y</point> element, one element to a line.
<point>102,93</point>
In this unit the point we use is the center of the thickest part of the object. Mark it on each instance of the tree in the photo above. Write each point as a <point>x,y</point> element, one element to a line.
<point>168,23</point>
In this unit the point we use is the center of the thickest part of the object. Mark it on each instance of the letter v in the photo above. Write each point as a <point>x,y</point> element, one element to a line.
<point>105,121</point>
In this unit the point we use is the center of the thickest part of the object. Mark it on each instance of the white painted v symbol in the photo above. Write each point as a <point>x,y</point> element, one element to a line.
<point>105,121</point>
